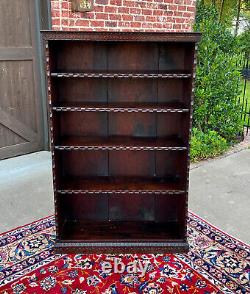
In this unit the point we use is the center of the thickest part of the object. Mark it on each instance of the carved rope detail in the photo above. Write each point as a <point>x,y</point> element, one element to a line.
<point>120,75</point>
<point>124,148</point>
<point>116,109</point>
<point>121,244</point>
<point>143,192</point>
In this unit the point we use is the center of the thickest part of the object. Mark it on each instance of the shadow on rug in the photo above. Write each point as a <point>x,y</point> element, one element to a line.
<point>216,263</point>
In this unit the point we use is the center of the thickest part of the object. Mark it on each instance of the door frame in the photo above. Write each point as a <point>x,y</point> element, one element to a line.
<point>43,22</point>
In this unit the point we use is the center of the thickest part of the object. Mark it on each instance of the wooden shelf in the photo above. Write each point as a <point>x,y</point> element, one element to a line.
<point>120,143</point>
<point>121,185</point>
<point>120,107</point>
<point>138,231</point>
<point>178,74</point>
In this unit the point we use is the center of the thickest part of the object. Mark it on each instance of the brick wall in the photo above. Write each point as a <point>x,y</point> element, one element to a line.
<point>126,15</point>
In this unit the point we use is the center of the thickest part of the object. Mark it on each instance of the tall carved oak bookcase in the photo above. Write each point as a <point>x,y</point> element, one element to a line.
<point>120,109</point>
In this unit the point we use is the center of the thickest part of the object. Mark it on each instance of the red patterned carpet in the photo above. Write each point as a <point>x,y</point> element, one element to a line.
<point>216,263</point>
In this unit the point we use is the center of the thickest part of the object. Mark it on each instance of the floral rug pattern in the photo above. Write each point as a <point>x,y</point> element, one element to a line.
<point>216,263</point>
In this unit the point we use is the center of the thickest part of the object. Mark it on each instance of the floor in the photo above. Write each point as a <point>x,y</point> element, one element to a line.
<point>219,191</point>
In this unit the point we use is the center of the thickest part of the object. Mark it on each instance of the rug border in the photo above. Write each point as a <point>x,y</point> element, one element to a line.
<point>28,224</point>
<point>223,232</point>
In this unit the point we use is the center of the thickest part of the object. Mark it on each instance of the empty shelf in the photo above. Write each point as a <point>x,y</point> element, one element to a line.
<point>121,185</point>
<point>120,143</point>
<point>121,230</point>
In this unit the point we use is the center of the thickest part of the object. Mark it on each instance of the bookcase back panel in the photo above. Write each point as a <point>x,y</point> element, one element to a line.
<point>175,56</point>
<point>84,124</point>
<point>171,124</point>
<point>131,207</point>
<point>132,90</point>
<point>84,164</point>
<point>172,90</point>
<point>132,124</point>
<point>84,207</point>
<point>131,163</point>
<point>170,209</point>
<point>77,56</point>
<point>132,56</point>
<point>162,164</point>
<point>169,163</point>
<point>80,90</point>
<point>171,57</point>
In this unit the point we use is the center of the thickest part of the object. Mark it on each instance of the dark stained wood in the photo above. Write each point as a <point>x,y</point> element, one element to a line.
<point>121,36</point>
<point>118,142</point>
<point>168,184</point>
<point>109,247</point>
<point>120,106</point>
<point>21,121</point>
<point>123,230</point>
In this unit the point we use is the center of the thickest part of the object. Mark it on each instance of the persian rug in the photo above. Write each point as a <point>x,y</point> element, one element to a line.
<point>216,263</point>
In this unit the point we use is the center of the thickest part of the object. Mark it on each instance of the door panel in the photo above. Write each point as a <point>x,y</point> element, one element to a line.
<point>21,118</point>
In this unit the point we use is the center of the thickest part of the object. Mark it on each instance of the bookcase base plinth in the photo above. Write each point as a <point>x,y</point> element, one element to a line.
<point>120,247</point>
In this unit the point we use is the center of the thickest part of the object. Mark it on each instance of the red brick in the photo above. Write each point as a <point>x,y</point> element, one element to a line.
<point>65,13</point>
<point>191,8</point>
<point>110,23</point>
<point>128,3</point>
<point>55,13</point>
<point>99,8</point>
<point>56,21</point>
<point>139,18</point>
<point>147,25</point>
<point>147,11</point>
<point>65,22</point>
<point>151,18</point>
<point>123,10</point>
<point>163,6</point>
<point>115,17</point>
<point>102,2</point>
<point>126,15</point>
<point>135,10</point>
<point>124,24</point>
<point>110,9</point>
<point>72,22</point>
<point>82,23</point>
<point>97,23</point>
<point>177,26</point>
<point>182,7</point>
<point>54,5</point>
<point>135,24</point>
<point>65,4</point>
<point>116,2</point>
<point>158,12</point>
<point>157,25</point>
<point>101,16</point>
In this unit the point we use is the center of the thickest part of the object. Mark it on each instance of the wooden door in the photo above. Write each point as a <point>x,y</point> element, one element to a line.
<point>21,119</point>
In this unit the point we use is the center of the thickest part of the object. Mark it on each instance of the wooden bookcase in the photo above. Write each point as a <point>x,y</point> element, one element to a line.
<point>120,111</point>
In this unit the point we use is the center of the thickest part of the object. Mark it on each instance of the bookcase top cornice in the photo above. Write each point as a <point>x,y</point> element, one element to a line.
<point>192,37</point>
